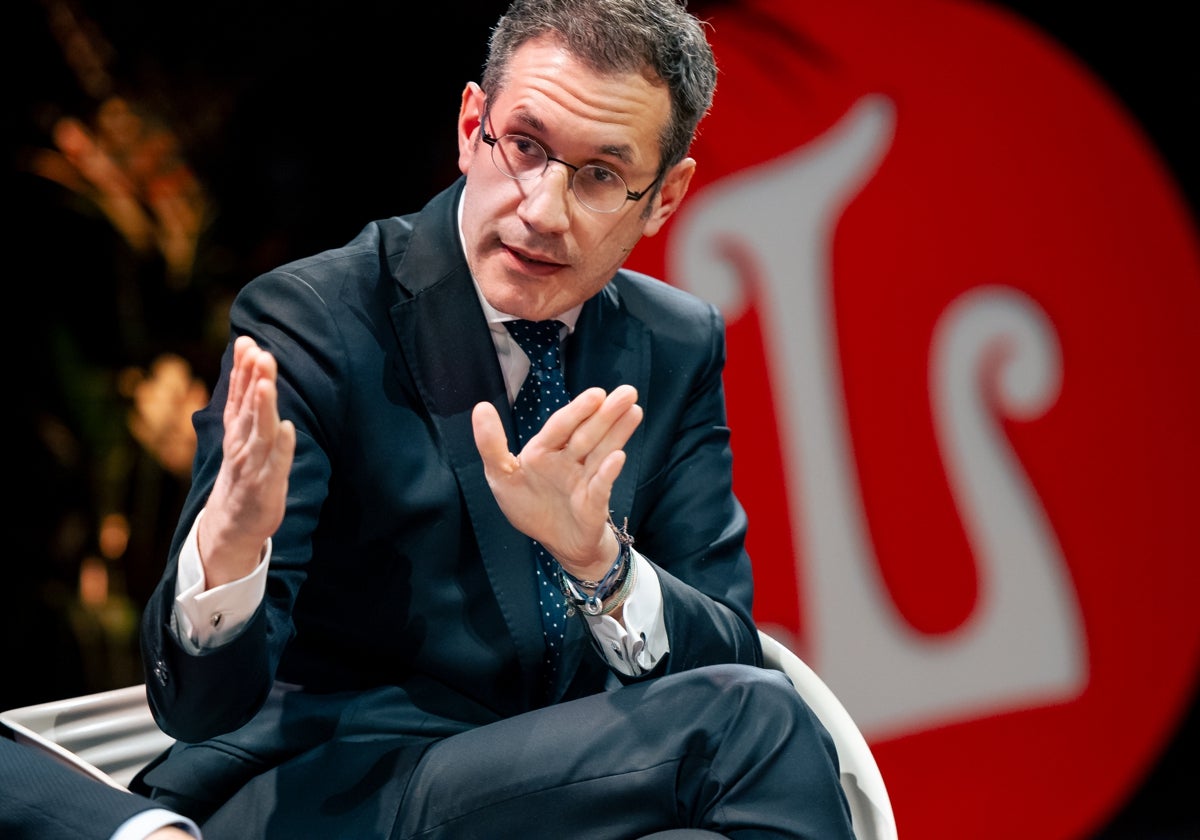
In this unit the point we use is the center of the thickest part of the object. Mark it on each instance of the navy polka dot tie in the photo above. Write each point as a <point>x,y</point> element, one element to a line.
<point>543,392</point>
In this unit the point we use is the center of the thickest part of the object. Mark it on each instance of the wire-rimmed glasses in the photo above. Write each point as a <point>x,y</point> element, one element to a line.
<point>596,187</point>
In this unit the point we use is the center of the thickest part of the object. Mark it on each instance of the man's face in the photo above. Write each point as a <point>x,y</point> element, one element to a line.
<point>532,247</point>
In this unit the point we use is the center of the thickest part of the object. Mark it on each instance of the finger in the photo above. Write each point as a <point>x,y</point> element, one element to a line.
<point>491,441</point>
<point>619,432</point>
<point>562,424</point>
<point>260,372</point>
<point>266,414</point>
<point>607,428</point>
<point>285,442</point>
<point>238,377</point>
<point>251,365</point>
<point>606,460</point>
<point>601,483</point>
<point>285,446</point>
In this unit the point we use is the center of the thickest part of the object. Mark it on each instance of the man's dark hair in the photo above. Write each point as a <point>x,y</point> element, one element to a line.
<point>652,37</point>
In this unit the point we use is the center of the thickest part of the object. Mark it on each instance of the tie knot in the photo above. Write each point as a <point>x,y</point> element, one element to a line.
<point>539,340</point>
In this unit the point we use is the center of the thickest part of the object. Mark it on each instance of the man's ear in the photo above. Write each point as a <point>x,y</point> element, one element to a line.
<point>670,194</point>
<point>470,117</point>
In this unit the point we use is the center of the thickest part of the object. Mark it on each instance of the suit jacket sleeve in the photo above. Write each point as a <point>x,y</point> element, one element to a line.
<point>40,798</point>
<point>195,697</point>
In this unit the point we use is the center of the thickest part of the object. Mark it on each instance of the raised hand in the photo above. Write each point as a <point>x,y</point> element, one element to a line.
<point>249,497</point>
<point>557,489</point>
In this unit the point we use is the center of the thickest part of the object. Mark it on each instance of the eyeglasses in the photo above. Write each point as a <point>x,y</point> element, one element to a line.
<point>597,187</point>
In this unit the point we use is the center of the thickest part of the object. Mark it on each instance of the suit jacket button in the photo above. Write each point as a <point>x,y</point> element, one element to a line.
<point>160,671</point>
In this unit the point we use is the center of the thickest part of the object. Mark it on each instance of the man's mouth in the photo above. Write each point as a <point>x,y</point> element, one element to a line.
<point>533,259</point>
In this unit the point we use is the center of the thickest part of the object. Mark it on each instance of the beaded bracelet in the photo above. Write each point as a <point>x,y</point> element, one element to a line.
<point>626,587</point>
<point>617,579</point>
<point>604,587</point>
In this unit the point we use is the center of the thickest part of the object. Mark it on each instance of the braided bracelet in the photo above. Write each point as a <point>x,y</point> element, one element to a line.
<point>623,593</point>
<point>588,595</point>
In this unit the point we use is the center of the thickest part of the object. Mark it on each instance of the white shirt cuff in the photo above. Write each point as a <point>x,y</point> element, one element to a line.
<point>206,620</point>
<point>636,644</point>
<point>139,826</point>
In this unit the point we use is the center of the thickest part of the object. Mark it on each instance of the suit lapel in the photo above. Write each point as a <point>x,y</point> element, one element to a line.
<point>451,377</point>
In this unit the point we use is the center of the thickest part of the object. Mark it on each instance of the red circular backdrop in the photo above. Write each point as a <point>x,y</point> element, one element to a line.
<point>962,293</point>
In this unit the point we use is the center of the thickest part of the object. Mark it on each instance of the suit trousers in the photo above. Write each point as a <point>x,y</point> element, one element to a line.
<point>730,749</point>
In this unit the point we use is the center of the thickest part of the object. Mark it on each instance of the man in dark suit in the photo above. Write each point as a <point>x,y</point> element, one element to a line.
<point>41,799</point>
<point>394,608</point>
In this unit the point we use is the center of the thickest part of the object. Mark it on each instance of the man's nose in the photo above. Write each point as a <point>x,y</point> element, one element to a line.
<point>544,207</point>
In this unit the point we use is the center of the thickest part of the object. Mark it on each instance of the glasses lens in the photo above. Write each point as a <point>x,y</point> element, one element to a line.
<point>599,188</point>
<point>518,157</point>
<point>596,187</point>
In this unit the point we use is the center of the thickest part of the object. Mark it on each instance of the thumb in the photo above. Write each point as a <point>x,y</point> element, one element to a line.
<point>490,439</point>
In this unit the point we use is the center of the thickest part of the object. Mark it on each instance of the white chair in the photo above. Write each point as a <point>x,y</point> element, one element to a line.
<point>870,805</point>
<point>111,735</point>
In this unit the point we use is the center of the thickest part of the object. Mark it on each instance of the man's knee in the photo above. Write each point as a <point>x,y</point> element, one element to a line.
<point>761,687</point>
<point>762,702</point>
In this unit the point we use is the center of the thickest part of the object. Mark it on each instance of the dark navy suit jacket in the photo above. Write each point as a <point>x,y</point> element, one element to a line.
<point>400,603</point>
<point>41,799</point>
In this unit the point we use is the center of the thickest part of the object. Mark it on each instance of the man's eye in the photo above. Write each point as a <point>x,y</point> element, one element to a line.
<point>600,175</point>
<point>526,148</point>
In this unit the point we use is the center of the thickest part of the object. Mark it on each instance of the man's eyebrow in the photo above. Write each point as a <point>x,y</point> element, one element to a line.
<point>529,120</point>
<point>622,152</point>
